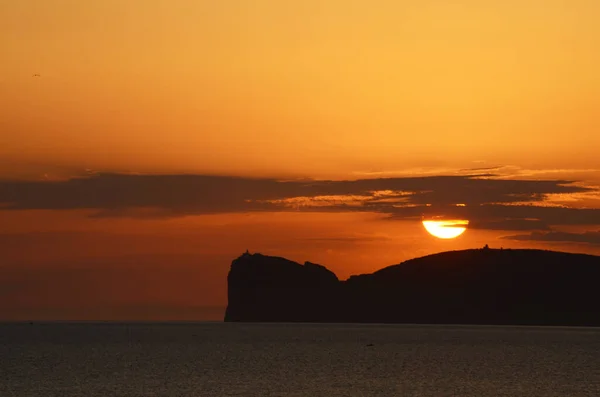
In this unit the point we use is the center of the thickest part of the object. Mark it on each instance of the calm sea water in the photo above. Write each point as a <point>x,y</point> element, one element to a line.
<point>216,359</point>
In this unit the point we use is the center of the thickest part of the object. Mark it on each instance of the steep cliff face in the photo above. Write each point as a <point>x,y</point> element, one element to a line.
<point>264,288</point>
<point>459,287</point>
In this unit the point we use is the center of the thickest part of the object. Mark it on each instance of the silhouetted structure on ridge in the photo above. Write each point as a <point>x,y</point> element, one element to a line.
<point>483,286</point>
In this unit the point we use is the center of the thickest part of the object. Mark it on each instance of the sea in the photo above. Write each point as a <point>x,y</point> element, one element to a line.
<point>241,359</point>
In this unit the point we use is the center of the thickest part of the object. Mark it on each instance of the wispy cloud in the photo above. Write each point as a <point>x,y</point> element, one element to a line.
<point>587,237</point>
<point>488,202</point>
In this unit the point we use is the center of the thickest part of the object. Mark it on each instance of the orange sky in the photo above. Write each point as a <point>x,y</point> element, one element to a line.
<point>342,89</point>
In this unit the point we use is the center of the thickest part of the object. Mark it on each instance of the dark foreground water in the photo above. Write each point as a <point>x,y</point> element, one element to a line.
<point>204,359</point>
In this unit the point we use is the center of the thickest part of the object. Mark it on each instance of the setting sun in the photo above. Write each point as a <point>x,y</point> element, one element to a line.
<point>446,229</point>
<point>144,144</point>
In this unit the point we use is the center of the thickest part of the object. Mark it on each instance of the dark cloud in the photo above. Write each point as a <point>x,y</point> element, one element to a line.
<point>489,203</point>
<point>509,224</point>
<point>518,217</point>
<point>118,192</point>
<point>587,237</point>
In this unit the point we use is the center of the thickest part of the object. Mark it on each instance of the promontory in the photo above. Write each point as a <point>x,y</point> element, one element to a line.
<point>478,286</point>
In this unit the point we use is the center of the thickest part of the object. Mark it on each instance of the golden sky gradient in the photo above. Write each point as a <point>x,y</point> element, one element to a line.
<point>340,89</point>
<point>299,88</point>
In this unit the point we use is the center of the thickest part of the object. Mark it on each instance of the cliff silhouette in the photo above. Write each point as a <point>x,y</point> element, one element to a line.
<point>478,286</point>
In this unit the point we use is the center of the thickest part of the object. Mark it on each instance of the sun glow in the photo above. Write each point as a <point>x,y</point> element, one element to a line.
<point>446,229</point>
